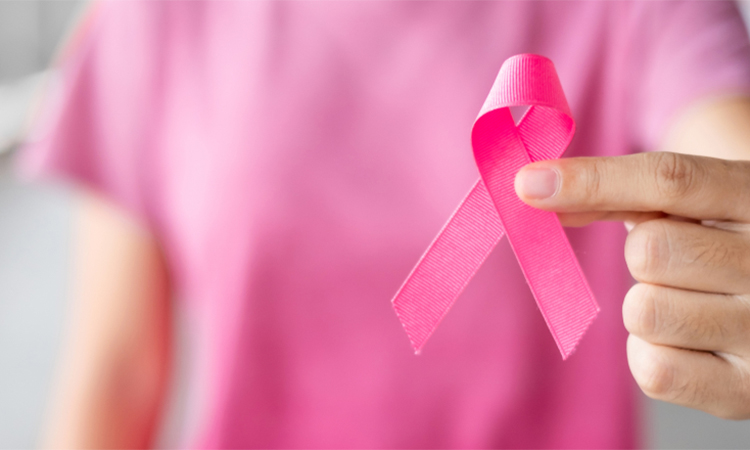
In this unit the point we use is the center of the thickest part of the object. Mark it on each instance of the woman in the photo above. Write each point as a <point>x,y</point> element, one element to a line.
<point>278,168</point>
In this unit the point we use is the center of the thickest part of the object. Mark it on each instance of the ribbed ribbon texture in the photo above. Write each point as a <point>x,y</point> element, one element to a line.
<point>492,209</point>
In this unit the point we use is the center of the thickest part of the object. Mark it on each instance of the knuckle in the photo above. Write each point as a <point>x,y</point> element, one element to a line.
<point>593,181</point>
<point>707,329</point>
<point>639,310</point>
<point>647,251</point>
<point>713,253</point>
<point>675,174</point>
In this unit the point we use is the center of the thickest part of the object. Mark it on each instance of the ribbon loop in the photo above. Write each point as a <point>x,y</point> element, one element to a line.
<point>492,209</point>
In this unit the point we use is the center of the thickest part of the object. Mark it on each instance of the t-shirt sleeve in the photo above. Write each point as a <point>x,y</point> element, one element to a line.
<point>689,51</point>
<point>92,125</point>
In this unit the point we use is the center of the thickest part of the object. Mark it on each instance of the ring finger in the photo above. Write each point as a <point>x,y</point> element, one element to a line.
<point>687,319</point>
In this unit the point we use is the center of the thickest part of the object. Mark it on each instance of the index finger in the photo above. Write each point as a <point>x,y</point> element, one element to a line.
<point>684,185</point>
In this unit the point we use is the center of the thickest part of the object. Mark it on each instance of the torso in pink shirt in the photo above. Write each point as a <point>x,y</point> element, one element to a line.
<point>295,160</point>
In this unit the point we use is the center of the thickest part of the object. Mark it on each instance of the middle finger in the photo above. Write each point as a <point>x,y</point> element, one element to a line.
<point>688,256</point>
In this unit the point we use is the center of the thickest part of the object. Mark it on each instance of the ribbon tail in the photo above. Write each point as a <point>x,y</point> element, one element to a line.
<point>536,237</point>
<point>448,265</point>
<point>552,272</point>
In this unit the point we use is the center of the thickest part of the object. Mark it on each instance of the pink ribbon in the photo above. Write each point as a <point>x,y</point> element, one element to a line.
<point>492,209</point>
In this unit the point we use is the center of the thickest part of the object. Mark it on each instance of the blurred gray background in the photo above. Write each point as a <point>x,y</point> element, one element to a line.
<point>35,222</point>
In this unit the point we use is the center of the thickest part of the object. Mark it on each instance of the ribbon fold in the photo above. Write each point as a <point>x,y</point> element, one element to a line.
<point>492,209</point>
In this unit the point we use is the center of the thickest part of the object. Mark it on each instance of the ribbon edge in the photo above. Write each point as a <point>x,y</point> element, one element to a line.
<point>418,348</point>
<point>496,108</point>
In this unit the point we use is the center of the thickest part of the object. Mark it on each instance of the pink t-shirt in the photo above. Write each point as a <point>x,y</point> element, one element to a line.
<point>295,160</point>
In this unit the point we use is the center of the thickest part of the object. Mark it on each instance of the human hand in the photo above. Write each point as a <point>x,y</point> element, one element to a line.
<point>689,250</point>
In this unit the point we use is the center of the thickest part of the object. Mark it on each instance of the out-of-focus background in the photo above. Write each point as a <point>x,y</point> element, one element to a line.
<point>35,222</point>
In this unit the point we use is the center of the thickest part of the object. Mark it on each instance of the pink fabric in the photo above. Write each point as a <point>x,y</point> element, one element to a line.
<point>501,149</point>
<point>295,159</point>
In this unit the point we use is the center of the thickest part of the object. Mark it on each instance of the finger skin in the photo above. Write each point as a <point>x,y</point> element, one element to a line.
<point>691,378</point>
<point>691,186</point>
<point>581,219</point>
<point>688,319</point>
<point>689,256</point>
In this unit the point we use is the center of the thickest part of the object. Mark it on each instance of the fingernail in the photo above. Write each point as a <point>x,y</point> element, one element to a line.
<point>629,225</point>
<point>538,183</point>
